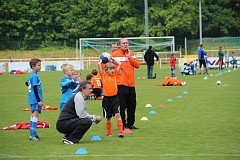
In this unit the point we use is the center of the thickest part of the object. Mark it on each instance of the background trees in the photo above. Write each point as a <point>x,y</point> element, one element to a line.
<point>38,23</point>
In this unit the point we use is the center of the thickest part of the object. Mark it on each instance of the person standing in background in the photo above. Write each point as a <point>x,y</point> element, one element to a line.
<point>149,58</point>
<point>172,63</point>
<point>220,56</point>
<point>226,59</point>
<point>201,58</point>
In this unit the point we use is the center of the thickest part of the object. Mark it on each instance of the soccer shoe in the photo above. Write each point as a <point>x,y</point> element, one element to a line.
<point>133,127</point>
<point>120,135</point>
<point>108,135</point>
<point>65,141</point>
<point>35,138</point>
<point>127,131</point>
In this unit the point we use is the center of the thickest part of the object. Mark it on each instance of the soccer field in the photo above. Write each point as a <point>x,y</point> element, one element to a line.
<point>203,124</point>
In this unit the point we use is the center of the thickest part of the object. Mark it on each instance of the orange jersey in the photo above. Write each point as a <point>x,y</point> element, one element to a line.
<point>126,76</point>
<point>96,81</point>
<point>109,83</point>
<point>170,81</point>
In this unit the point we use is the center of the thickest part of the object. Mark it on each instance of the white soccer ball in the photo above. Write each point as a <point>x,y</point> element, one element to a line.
<point>184,83</point>
<point>105,57</point>
<point>219,82</point>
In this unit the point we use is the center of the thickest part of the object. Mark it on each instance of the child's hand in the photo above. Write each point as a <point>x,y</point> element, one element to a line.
<point>40,104</point>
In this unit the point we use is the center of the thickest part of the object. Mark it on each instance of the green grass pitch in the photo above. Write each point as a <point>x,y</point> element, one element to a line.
<point>204,124</point>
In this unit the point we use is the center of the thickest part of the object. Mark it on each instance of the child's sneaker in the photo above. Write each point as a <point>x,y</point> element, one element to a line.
<point>120,135</point>
<point>109,135</point>
<point>127,131</point>
<point>35,138</point>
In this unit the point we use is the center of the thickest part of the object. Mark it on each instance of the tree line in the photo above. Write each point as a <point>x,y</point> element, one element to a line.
<point>30,24</point>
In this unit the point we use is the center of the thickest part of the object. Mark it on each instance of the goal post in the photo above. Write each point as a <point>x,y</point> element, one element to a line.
<point>163,46</point>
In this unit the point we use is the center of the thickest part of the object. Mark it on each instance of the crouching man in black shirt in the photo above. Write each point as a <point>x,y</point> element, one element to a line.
<point>74,121</point>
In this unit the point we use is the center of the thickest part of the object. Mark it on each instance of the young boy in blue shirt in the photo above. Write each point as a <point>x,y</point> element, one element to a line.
<point>68,84</point>
<point>35,97</point>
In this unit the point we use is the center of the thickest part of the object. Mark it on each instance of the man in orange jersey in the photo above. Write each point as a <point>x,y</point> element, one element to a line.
<point>110,102</point>
<point>126,83</point>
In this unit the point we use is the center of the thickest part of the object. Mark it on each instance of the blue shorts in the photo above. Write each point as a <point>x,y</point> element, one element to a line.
<point>172,69</point>
<point>36,107</point>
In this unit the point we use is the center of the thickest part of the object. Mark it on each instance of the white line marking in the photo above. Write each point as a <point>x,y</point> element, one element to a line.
<point>123,155</point>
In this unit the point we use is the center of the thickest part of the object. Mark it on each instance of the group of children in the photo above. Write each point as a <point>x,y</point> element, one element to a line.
<point>234,59</point>
<point>190,68</point>
<point>105,79</point>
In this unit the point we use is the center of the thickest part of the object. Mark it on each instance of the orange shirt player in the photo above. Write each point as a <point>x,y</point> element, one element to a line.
<point>110,102</point>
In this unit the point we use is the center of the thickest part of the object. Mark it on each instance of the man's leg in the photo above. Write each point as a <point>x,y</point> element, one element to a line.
<point>131,107</point>
<point>122,95</point>
<point>151,71</point>
<point>79,128</point>
<point>148,71</point>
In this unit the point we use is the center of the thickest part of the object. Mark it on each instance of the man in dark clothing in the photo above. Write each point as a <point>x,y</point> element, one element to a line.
<point>74,120</point>
<point>149,58</point>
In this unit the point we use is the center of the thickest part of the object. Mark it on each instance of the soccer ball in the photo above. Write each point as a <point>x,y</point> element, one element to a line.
<point>219,82</point>
<point>105,57</point>
<point>184,83</point>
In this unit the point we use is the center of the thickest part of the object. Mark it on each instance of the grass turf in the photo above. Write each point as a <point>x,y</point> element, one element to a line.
<point>204,124</point>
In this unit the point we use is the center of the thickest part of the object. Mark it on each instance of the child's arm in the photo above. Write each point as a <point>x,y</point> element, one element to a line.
<point>119,64</point>
<point>99,65</point>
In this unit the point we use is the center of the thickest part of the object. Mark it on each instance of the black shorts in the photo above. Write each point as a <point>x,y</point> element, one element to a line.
<point>202,62</point>
<point>97,92</point>
<point>111,106</point>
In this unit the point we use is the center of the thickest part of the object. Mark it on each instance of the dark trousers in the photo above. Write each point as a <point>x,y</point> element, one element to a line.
<point>127,98</point>
<point>74,128</point>
<point>149,71</point>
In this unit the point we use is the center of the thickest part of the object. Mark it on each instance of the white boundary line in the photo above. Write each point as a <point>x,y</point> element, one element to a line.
<point>123,155</point>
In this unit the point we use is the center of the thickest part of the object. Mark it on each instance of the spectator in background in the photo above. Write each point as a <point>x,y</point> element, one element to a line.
<point>126,83</point>
<point>172,63</point>
<point>234,60</point>
<point>114,47</point>
<point>226,59</point>
<point>149,58</point>
<point>201,58</point>
<point>220,56</point>
<point>194,66</point>
<point>185,69</point>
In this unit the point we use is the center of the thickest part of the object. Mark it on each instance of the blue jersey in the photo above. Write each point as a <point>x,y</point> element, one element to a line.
<point>185,69</point>
<point>201,53</point>
<point>67,86</point>
<point>34,80</point>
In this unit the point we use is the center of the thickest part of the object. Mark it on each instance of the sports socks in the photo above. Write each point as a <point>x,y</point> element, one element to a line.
<point>33,126</point>
<point>120,126</point>
<point>109,128</point>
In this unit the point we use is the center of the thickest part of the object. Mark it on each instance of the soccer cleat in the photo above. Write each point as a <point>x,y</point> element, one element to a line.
<point>120,135</point>
<point>65,141</point>
<point>127,131</point>
<point>109,135</point>
<point>133,127</point>
<point>35,138</point>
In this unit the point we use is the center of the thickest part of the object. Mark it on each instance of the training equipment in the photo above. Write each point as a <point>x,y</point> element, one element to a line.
<point>105,56</point>
<point>219,82</point>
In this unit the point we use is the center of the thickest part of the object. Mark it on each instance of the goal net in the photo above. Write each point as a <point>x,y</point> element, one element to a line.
<point>163,46</point>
